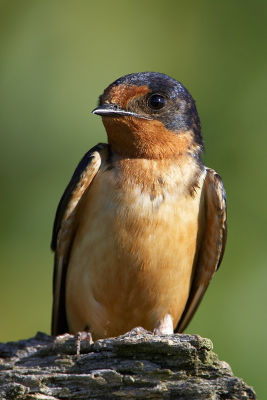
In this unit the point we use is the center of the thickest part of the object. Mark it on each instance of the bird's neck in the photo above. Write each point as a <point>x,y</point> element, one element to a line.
<point>140,138</point>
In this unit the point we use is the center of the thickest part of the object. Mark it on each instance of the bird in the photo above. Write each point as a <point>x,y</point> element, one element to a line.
<point>141,227</point>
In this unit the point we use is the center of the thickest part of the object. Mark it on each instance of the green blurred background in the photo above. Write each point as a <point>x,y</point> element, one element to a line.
<point>56,57</point>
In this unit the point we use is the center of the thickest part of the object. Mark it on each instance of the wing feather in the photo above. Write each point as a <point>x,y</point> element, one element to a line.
<point>212,246</point>
<point>64,229</point>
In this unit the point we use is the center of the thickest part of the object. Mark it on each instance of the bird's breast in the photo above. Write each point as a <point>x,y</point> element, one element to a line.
<point>133,255</point>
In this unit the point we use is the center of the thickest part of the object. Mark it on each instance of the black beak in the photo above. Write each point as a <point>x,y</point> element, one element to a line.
<point>112,110</point>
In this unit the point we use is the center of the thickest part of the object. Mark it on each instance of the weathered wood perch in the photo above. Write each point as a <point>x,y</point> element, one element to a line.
<point>137,365</point>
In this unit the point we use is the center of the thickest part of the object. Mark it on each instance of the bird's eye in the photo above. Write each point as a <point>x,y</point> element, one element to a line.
<point>156,101</point>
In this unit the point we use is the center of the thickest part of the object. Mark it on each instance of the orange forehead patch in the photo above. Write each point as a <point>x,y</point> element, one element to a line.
<point>121,94</point>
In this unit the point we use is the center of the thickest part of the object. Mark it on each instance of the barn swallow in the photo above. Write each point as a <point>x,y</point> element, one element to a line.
<point>141,228</point>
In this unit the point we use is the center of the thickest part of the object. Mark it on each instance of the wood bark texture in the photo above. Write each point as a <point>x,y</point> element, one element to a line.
<point>137,365</point>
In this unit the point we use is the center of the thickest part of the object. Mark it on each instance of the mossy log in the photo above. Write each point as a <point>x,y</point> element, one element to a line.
<point>137,365</point>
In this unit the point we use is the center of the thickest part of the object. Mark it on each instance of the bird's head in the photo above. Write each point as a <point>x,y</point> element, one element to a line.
<point>150,115</point>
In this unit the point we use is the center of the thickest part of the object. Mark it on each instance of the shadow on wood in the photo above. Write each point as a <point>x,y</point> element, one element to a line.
<point>137,365</point>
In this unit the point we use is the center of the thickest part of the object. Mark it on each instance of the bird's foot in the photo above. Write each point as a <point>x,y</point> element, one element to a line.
<point>61,339</point>
<point>79,337</point>
<point>137,331</point>
<point>66,341</point>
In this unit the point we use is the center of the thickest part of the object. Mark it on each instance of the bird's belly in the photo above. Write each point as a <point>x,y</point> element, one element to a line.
<point>132,261</point>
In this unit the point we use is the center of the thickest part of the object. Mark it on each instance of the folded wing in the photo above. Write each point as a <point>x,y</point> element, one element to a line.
<point>212,245</point>
<point>64,229</point>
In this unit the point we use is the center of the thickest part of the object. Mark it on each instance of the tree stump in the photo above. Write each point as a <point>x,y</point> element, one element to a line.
<point>137,365</point>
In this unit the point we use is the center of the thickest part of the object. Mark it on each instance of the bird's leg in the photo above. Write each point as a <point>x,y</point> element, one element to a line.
<point>164,326</point>
<point>85,335</point>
